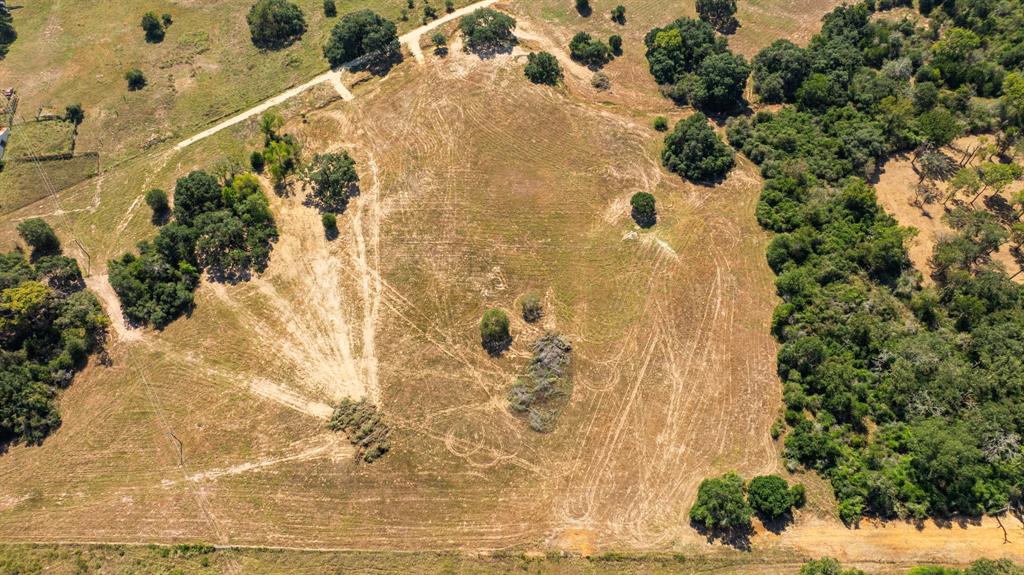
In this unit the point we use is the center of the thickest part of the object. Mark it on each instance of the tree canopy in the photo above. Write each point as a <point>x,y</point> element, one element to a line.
<point>644,212</point>
<point>543,68</point>
<point>720,505</point>
<point>588,50</point>
<point>694,151</point>
<point>361,33</point>
<point>7,32</point>
<point>275,24</point>
<point>721,14</point>
<point>487,29</point>
<point>333,180</point>
<point>39,236</point>
<point>494,334</point>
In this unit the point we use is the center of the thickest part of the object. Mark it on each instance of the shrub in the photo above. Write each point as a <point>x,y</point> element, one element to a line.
<point>588,50</point>
<point>487,29</point>
<point>661,124</point>
<point>543,68</point>
<point>494,334</point>
<point>330,9</point>
<point>619,14</point>
<point>166,19</point>
<point>39,236</point>
<point>644,212</point>
<point>136,79</point>
<point>720,504</point>
<point>364,426</point>
<point>74,114</point>
<point>256,161</point>
<point>694,151</point>
<point>7,32</point>
<point>583,7</point>
<point>770,496</point>
<point>532,308</point>
<point>449,6</point>
<point>156,199</point>
<point>361,33</point>
<point>330,223</point>
<point>439,40</point>
<point>600,81</point>
<point>153,28</point>
<point>429,12</point>
<point>542,392</point>
<point>615,43</point>
<point>721,14</point>
<point>333,179</point>
<point>275,24</point>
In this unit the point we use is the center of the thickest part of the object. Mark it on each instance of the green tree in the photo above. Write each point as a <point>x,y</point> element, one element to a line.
<point>679,48</point>
<point>487,29</point>
<point>194,194</point>
<point>494,334</point>
<point>589,50</point>
<point>644,212</point>
<point>330,223</point>
<point>256,161</point>
<point>330,9</point>
<point>362,33</point>
<point>721,14</point>
<point>618,14</point>
<point>721,80</point>
<point>7,33</point>
<point>939,127</point>
<point>156,199</point>
<point>275,24</point>
<point>770,496</point>
<point>720,504</point>
<point>827,566</point>
<point>583,7</point>
<point>74,114</point>
<point>153,27</point>
<point>661,124</point>
<point>615,43</point>
<point>136,79</point>
<point>39,236</point>
<point>542,68</point>
<point>333,179</point>
<point>694,151</point>
<point>779,69</point>
<point>281,157</point>
<point>532,309</point>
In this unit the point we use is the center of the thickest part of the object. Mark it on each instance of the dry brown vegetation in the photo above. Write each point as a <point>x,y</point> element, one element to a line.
<point>476,187</point>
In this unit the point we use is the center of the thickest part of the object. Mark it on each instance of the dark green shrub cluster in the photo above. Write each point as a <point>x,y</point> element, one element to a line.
<point>907,399</point>
<point>333,181</point>
<point>588,50</point>
<point>225,229</point>
<point>136,79</point>
<point>721,14</point>
<point>693,150</point>
<point>531,307</point>
<point>542,392</point>
<point>362,33</point>
<point>153,28</point>
<point>364,426</point>
<point>275,24</point>
<point>644,212</point>
<point>542,68</point>
<point>725,506</point>
<point>7,33</point>
<point>487,29</point>
<point>49,325</point>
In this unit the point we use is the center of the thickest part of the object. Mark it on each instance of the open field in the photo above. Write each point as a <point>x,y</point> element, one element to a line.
<point>476,188</point>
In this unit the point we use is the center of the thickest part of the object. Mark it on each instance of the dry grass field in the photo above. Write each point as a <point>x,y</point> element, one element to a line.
<point>477,187</point>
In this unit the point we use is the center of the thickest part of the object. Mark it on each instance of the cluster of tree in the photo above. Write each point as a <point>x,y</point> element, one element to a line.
<point>359,34</point>
<point>725,506</point>
<point>933,373</point>
<point>364,426</point>
<point>590,51</point>
<point>487,29</point>
<point>275,24</point>
<point>694,151</point>
<point>829,566</point>
<point>694,65</point>
<point>543,391</point>
<point>224,228</point>
<point>49,325</point>
<point>721,14</point>
<point>333,181</point>
<point>280,154</point>
<point>155,27</point>
<point>7,33</point>
<point>543,68</point>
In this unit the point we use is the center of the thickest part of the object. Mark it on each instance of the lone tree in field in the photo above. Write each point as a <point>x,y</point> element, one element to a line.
<point>619,14</point>
<point>494,334</point>
<point>771,496</point>
<point>531,307</point>
<point>136,79</point>
<point>334,180</point>
<point>721,14</point>
<point>156,199</point>
<point>361,33</point>
<point>644,212</point>
<point>39,236</point>
<point>74,114</point>
<point>330,9</point>
<point>275,24</point>
<point>153,27</point>
<point>542,68</point>
<point>583,7</point>
<point>720,506</point>
<point>487,29</point>
<point>694,151</point>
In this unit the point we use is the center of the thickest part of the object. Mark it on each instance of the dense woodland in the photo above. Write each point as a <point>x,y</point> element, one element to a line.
<point>909,399</point>
<point>49,325</point>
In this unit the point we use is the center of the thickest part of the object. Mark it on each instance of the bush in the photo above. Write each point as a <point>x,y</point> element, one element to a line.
<point>153,28</point>
<point>720,505</point>
<point>156,199</point>
<point>721,14</point>
<point>661,124</point>
<point>615,43</point>
<point>583,7</point>
<point>531,308</point>
<point>39,236</point>
<point>770,496</point>
<point>333,179</point>
<point>166,19</point>
<point>619,14</point>
<point>136,79</point>
<point>494,334</point>
<point>7,33</point>
<point>275,24</point>
<point>439,40</point>
<point>364,426</point>
<point>543,68</point>
<point>542,392</point>
<point>487,29</point>
<point>361,33</point>
<point>74,114</point>
<point>330,223</point>
<point>330,9</point>
<point>600,81</point>
<point>694,151</point>
<point>588,50</point>
<point>256,161</point>
<point>644,212</point>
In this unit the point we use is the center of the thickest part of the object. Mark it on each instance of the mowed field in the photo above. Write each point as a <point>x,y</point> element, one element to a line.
<point>476,188</point>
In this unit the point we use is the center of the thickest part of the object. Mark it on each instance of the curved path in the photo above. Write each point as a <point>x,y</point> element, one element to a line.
<point>410,39</point>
